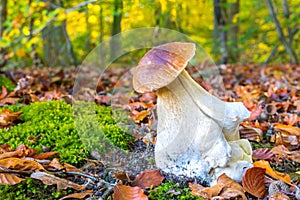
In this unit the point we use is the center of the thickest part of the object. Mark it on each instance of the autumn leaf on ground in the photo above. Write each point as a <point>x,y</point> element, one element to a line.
<point>123,192</point>
<point>284,152</point>
<point>251,133</point>
<point>279,196</point>
<point>231,189</point>
<point>205,192</point>
<point>8,117</point>
<point>288,129</point>
<point>262,154</point>
<point>50,179</point>
<point>253,182</point>
<point>78,195</point>
<point>45,155</point>
<point>9,179</point>
<point>278,175</point>
<point>148,178</point>
<point>140,116</point>
<point>21,164</point>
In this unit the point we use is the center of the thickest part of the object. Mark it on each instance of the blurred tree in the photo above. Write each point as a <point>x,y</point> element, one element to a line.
<point>286,41</point>
<point>3,12</point>
<point>116,26</point>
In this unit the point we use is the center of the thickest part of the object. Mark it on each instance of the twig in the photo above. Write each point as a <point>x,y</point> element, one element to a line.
<point>5,170</point>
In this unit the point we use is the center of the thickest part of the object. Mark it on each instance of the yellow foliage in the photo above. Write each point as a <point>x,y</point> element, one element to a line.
<point>92,19</point>
<point>25,30</point>
<point>263,46</point>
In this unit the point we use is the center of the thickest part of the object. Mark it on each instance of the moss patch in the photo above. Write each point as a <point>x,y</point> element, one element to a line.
<point>171,190</point>
<point>51,125</point>
<point>7,83</point>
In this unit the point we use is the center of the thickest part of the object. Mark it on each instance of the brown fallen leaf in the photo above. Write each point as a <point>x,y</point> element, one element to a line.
<point>279,196</point>
<point>140,116</point>
<point>9,179</point>
<point>231,189</point>
<point>253,182</point>
<point>3,92</point>
<point>262,154</point>
<point>148,178</point>
<point>56,164</point>
<point>8,117</point>
<point>284,152</point>
<point>9,100</point>
<point>78,195</point>
<point>278,175</point>
<point>205,192</point>
<point>45,155</point>
<point>123,192</point>
<point>251,133</point>
<point>50,179</point>
<point>288,129</point>
<point>21,164</point>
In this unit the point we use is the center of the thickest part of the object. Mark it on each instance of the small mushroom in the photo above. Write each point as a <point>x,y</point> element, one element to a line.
<point>194,127</point>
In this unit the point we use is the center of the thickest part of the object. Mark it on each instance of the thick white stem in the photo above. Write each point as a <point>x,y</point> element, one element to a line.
<point>192,126</point>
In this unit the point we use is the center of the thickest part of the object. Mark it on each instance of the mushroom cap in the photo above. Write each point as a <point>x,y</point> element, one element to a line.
<point>161,65</point>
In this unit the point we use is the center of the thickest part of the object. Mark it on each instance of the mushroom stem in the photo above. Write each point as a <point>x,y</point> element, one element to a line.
<point>192,128</point>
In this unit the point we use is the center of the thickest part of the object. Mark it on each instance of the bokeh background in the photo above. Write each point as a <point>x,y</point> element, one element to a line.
<point>62,32</point>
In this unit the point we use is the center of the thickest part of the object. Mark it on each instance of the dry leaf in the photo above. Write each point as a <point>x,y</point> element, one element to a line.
<point>78,195</point>
<point>56,164</point>
<point>148,178</point>
<point>231,189</point>
<point>3,92</point>
<point>251,133</point>
<point>253,182</point>
<point>288,129</point>
<point>45,155</point>
<point>205,192</point>
<point>123,192</point>
<point>7,117</point>
<point>9,100</point>
<point>279,196</point>
<point>278,175</point>
<point>9,179</point>
<point>262,154</point>
<point>50,179</point>
<point>140,116</point>
<point>21,164</point>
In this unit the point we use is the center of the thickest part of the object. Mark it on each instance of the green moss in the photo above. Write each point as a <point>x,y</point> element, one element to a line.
<point>51,124</point>
<point>7,83</point>
<point>170,190</point>
<point>30,189</point>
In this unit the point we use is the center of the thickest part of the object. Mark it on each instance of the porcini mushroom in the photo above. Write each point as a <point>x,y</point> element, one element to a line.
<point>193,125</point>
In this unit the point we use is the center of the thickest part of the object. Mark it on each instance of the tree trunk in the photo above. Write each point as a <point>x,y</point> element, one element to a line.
<point>220,22</point>
<point>116,28</point>
<point>281,36</point>
<point>3,9</point>
<point>233,31</point>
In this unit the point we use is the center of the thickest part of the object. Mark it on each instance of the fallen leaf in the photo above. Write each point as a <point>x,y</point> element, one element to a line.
<point>288,129</point>
<point>78,195</point>
<point>9,100</point>
<point>9,179</point>
<point>205,192</point>
<point>278,175</point>
<point>123,192</point>
<point>231,189</point>
<point>148,178</point>
<point>140,116</point>
<point>21,164</point>
<point>45,155</point>
<point>56,164</point>
<point>253,182</point>
<point>50,179</point>
<point>262,154</point>
<point>279,196</point>
<point>251,133</point>
<point>8,117</point>
<point>3,92</point>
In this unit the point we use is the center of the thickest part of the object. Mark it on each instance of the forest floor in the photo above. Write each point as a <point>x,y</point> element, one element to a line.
<point>271,93</point>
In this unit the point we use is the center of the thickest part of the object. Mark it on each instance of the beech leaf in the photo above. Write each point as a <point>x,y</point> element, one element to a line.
<point>291,130</point>
<point>21,164</point>
<point>9,179</point>
<point>205,192</point>
<point>77,195</point>
<point>50,179</point>
<point>278,175</point>
<point>253,182</point>
<point>262,154</point>
<point>123,192</point>
<point>148,178</point>
<point>231,189</point>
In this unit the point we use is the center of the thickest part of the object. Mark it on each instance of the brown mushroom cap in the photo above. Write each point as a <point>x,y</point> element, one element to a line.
<point>161,65</point>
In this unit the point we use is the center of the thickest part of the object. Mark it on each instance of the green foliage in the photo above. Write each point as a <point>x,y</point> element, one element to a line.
<point>7,83</point>
<point>170,190</point>
<point>30,189</point>
<point>51,125</point>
